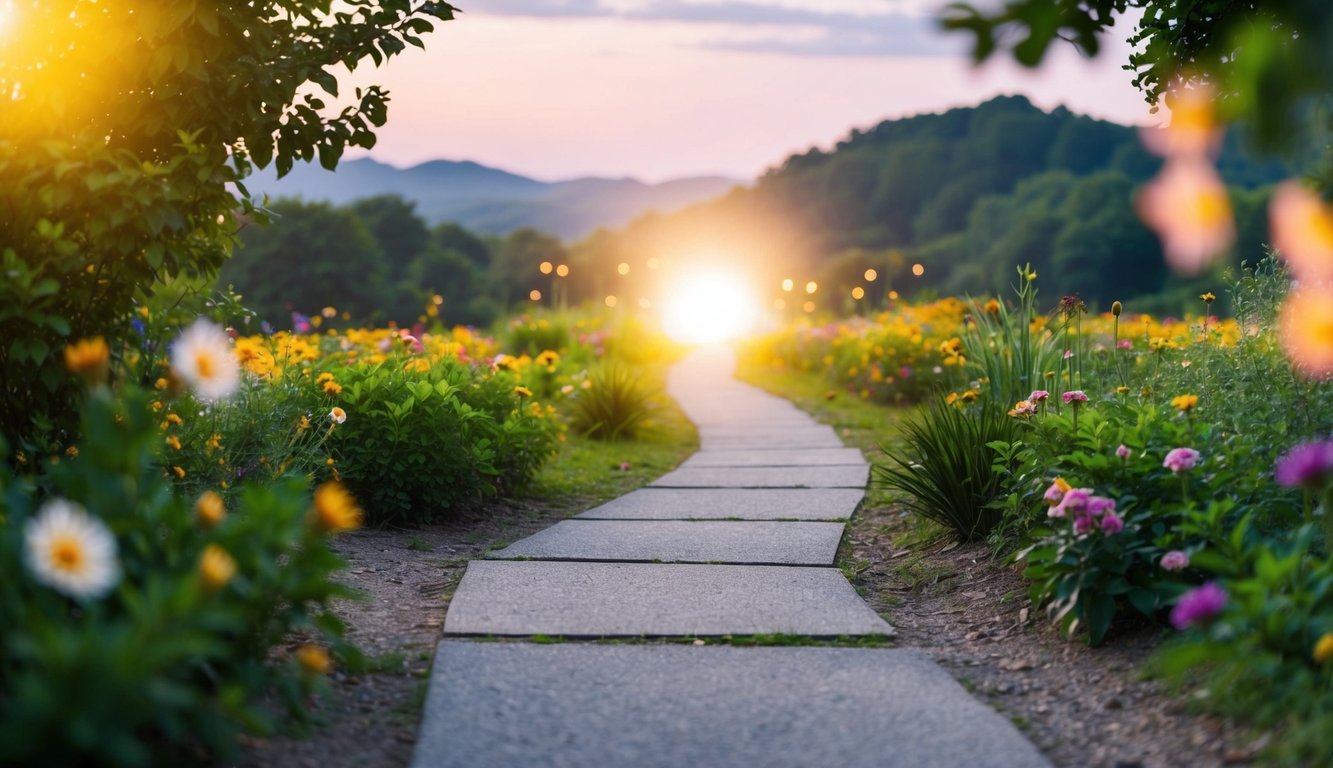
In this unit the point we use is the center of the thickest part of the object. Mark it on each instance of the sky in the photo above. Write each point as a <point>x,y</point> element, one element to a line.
<point>660,89</point>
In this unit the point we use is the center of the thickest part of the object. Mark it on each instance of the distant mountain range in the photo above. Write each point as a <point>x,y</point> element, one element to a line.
<point>492,201</point>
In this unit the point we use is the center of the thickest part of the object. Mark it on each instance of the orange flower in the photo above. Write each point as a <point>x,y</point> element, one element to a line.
<point>335,510</point>
<point>1302,227</point>
<point>1306,328</point>
<point>314,659</point>
<point>89,359</point>
<point>1187,205</point>
<point>209,509</point>
<point>332,388</point>
<point>216,567</point>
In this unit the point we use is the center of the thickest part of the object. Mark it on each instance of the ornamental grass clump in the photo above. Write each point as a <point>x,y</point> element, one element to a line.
<point>949,472</point>
<point>614,404</point>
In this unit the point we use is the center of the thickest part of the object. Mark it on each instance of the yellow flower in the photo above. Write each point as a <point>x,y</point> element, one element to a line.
<point>216,567</point>
<point>993,307</point>
<point>1208,298</point>
<point>522,391</point>
<point>1185,403</point>
<point>174,419</point>
<point>1122,390</point>
<point>180,473</point>
<point>89,359</point>
<point>323,377</point>
<point>970,395</point>
<point>209,509</point>
<point>1323,649</point>
<point>214,442</point>
<point>335,509</point>
<point>72,451</point>
<point>332,388</point>
<point>174,442</point>
<point>303,424</point>
<point>1187,205</point>
<point>548,358</point>
<point>314,659</point>
<point>161,384</point>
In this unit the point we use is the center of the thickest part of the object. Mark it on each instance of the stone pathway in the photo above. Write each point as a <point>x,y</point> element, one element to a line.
<point>739,541</point>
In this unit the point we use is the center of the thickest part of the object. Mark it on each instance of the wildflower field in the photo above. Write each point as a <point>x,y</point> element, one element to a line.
<point>1139,470</point>
<point>156,571</point>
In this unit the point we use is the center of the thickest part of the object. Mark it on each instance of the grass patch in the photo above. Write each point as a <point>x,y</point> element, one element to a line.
<point>588,472</point>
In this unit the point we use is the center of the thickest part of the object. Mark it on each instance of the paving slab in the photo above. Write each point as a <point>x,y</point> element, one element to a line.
<point>513,705</point>
<point>572,599</point>
<point>730,503</point>
<point>766,477</point>
<point>675,541</point>
<point>812,457</point>
<point>767,442</point>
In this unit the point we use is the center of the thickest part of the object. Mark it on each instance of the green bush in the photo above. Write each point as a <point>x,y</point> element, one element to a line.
<point>417,443</point>
<point>175,651</point>
<point>954,471</point>
<point>614,403</point>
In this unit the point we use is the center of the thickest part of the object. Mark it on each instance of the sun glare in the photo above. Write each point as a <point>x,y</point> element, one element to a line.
<point>707,307</point>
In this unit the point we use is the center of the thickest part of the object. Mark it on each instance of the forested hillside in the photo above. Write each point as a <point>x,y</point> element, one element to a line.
<point>967,194</point>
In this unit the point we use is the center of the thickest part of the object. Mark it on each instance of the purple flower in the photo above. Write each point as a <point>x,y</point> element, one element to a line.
<point>1198,606</point>
<point>1175,560</point>
<point>1074,396</point>
<point>1181,460</point>
<point>1308,465</point>
<point>1123,452</point>
<point>1038,396</point>
<point>1111,523</point>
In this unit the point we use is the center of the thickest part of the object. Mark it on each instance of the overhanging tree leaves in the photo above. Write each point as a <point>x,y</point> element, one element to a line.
<point>128,129</point>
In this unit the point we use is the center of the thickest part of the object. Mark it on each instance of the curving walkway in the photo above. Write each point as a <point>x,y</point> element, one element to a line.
<point>740,540</point>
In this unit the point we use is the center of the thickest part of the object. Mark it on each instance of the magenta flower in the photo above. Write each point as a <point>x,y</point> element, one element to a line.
<point>1198,606</point>
<point>1175,560</point>
<point>1111,523</point>
<point>1074,396</point>
<point>1038,396</point>
<point>1308,465</point>
<point>1069,353</point>
<point>1123,452</point>
<point>1181,460</point>
<point>1056,492</point>
<point>1125,344</point>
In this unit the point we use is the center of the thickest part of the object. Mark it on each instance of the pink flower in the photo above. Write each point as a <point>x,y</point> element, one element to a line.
<point>1069,353</point>
<point>1084,524</point>
<point>1075,502</point>
<point>1175,560</point>
<point>1055,494</point>
<point>1123,452</point>
<point>1302,226</point>
<point>1125,344</point>
<point>1181,460</point>
<point>624,466</point>
<point>1074,396</point>
<point>1198,606</point>
<point>1038,396</point>
<point>1111,523</point>
<point>1099,505</point>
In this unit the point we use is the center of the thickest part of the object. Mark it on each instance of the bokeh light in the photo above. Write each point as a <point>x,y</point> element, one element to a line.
<point>546,267</point>
<point>787,285</point>
<point>535,295</point>
<point>811,287</point>
<point>858,293</point>
<point>871,275</point>
<point>918,269</point>
<point>623,268</point>
<point>562,271</point>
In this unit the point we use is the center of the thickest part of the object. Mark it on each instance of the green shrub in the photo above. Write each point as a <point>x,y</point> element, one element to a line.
<point>170,659</point>
<point>953,472</point>
<point>613,404</point>
<point>417,444</point>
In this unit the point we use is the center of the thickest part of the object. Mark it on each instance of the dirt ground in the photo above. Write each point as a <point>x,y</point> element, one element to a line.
<point>1080,706</point>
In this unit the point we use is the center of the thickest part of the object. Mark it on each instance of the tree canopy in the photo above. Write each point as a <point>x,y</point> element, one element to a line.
<point>128,131</point>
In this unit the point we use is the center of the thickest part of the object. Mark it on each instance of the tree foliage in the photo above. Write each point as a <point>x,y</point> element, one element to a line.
<point>126,125</point>
<point>1269,59</point>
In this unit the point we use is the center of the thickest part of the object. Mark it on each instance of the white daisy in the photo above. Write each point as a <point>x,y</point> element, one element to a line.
<point>71,551</point>
<point>202,356</point>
